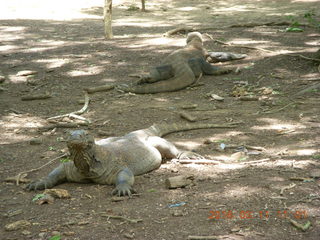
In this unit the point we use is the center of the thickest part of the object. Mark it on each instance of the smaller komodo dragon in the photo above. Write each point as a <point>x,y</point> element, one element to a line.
<point>182,68</point>
<point>116,160</point>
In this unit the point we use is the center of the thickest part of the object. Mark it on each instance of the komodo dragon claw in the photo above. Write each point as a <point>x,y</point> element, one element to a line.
<point>123,189</point>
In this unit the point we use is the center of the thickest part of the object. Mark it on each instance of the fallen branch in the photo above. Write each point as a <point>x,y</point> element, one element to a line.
<point>250,25</point>
<point>183,29</point>
<point>186,29</point>
<point>236,45</point>
<point>299,55</point>
<point>121,218</point>
<point>308,89</point>
<point>102,88</point>
<point>76,113</point>
<point>23,174</point>
<point>280,109</point>
<point>65,125</point>
<point>35,97</point>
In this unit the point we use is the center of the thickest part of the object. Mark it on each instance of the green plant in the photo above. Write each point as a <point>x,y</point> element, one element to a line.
<point>294,25</point>
<point>55,237</point>
<point>311,18</point>
<point>64,160</point>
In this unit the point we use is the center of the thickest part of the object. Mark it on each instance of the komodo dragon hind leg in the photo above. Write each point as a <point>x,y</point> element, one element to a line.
<point>159,73</point>
<point>200,65</point>
<point>124,182</point>
<point>224,56</point>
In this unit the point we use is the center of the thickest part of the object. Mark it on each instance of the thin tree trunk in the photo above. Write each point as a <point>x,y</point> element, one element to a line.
<point>143,6</point>
<point>107,13</point>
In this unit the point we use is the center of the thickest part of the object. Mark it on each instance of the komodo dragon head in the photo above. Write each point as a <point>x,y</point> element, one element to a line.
<point>194,37</point>
<point>81,147</point>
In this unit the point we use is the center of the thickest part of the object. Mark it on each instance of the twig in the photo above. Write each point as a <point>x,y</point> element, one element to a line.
<point>73,114</point>
<point>100,88</point>
<point>22,174</point>
<point>279,198</point>
<point>280,109</point>
<point>236,45</point>
<point>286,188</point>
<point>303,228</point>
<point>202,238</point>
<point>200,161</point>
<point>122,218</point>
<point>257,161</point>
<point>35,97</point>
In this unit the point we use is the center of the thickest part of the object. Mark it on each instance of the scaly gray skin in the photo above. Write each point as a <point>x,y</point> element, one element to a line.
<point>178,70</point>
<point>117,160</point>
<point>224,56</point>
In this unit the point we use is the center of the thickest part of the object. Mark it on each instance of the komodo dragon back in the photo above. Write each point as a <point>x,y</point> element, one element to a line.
<point>165,129</point>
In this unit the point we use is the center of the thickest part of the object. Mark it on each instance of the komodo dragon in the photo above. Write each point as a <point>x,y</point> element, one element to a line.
<point>182,68</point>
<point>117,160</point>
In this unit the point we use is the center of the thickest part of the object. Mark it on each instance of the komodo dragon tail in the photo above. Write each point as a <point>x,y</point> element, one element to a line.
<point>164,129</point>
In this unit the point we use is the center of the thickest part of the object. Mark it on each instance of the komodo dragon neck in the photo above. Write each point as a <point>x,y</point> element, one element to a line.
<point>84,159</point>
<point>82,150</point>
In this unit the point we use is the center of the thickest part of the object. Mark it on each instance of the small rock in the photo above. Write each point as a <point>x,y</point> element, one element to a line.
<point>2,79</point>
<point>35,141</point>
<point>56,233</point>
<point>315,173</point>
<point>177,213</point>
<point>128,235</point>
<point>58,193</point>
<point>68,234</point>
<point>216,97</point>
<point>42,235</point>
<point>17,225</point>
<point>117,199</point>
<point>237,156</point>
<point>26,233</point>
<point>46,198</point>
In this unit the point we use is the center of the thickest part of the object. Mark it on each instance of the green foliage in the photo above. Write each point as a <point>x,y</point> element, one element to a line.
<point>151,190</point>
<point>37,197</point>
<point>316,157</point>
<point>311,18</point>
<point>56,237</point>
<point>51,148</point>
<point>65,160</point>
<point>295,25</point>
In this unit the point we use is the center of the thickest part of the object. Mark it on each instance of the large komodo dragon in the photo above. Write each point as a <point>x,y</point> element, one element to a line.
<point>117,160</point>
<point>182,68</point>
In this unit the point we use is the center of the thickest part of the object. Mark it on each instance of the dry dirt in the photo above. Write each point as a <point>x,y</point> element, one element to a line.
<point>237,199</point>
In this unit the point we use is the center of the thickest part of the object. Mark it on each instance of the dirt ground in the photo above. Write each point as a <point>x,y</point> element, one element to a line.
<point>253,194</point>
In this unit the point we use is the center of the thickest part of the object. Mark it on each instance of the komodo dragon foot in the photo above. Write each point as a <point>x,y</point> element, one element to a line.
<point>190,155</point>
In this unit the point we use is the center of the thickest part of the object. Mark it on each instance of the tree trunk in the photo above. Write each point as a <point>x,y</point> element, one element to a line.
<point>107,13</point>
<point>143,6</point>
